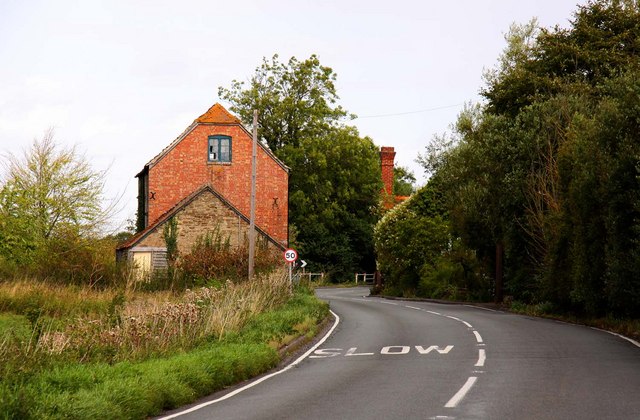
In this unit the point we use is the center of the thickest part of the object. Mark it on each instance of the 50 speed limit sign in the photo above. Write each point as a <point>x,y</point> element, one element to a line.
<point>290,255</point>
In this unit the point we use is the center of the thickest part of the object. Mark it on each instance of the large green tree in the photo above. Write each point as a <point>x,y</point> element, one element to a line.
<point>334,182</point>
<point>296,100</point>
<point>548,166</point>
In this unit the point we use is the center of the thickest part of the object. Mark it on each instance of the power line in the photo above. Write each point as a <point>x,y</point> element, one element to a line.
<point>409,112</point>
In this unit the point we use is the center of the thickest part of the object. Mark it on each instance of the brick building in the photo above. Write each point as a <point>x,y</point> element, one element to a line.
<point>203,180</point>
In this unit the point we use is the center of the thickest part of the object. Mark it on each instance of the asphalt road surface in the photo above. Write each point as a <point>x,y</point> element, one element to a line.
<point>416,360</point>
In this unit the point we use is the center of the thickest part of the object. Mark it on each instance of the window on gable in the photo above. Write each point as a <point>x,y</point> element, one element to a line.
<point>219,149</point>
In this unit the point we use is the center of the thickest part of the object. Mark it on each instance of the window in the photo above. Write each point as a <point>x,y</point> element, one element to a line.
<point>219,149</point>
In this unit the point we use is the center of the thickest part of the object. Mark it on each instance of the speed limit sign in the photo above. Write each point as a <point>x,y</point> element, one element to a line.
<point>290,255</point>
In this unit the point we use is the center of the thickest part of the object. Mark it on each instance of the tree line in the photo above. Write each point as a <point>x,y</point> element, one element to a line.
<point>537,188</point>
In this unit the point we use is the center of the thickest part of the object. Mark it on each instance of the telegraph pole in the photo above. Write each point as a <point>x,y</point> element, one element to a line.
<point>252,218</point>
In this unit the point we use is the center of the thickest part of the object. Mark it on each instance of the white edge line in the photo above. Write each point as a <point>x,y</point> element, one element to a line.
<point>480,307</point>
<point>386,303</point>
<point>478,336</point>
<point>482,357</point>
<point>264,378</point>
<point>632,341</point>
<point>455,400</point>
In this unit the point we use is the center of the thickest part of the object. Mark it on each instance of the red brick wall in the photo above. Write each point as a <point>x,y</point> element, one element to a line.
<point>185,168</point>
<point>387,154</point>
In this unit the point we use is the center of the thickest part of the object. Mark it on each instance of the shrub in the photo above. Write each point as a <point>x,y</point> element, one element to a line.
<point>213,257</point>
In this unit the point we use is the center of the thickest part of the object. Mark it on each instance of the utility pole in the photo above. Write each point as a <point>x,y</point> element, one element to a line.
<point>252,218</point>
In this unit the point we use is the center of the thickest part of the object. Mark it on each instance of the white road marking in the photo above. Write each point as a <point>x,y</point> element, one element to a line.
<point>390,350</point>
<point>264,378</point>
<point>455,400</point>
<point>386,303</point>
<point>632,341</point>
<point>482,356</point>
<point>403,350</point>
<point>422,350</point>
<point>352,352</point>
<point>324,353</point>
<point>480,307</point>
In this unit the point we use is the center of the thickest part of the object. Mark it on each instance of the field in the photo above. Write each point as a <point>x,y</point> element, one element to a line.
<point>69,352</point>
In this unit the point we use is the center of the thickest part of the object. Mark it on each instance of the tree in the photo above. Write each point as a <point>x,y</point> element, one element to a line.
<point>548,166</point>
<point>49,195</point>
<point>295,100</point>
<point>334,182</point>
<point>54,188</point>
<point>403,181</point>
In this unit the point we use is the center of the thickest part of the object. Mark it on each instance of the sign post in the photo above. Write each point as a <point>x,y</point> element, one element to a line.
<point>290,256</point>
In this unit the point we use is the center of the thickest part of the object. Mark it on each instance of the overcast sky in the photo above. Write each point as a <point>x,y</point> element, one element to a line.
<point>122,79</point>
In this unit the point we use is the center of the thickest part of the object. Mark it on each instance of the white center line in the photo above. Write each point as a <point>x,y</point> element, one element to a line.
<point>434,313</point>
<point>413,307</point>
<point>453,402</point>
<point>478,336</point>
<point>467,324</point>
<point>482,356</point>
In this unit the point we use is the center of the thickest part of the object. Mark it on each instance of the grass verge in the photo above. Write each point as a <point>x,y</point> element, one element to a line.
<point>133,390</point>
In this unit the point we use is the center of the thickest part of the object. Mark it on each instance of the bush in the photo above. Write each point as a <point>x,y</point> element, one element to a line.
<point>212,257</point>
<point>409,239</point>
<point>456,275</point>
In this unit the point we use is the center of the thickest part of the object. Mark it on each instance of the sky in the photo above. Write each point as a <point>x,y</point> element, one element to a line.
<point>122,79</point>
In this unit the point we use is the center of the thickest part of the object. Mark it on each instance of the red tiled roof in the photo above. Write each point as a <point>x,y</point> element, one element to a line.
<point>217,114</point>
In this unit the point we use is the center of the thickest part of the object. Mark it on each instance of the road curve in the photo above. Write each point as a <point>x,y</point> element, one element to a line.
<point>397,359</point>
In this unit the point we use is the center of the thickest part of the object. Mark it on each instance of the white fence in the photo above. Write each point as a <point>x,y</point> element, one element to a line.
<point>310,277</point>
<point>365,278</point>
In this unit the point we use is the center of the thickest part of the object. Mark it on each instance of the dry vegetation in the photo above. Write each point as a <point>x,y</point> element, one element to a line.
<point>88,325</point>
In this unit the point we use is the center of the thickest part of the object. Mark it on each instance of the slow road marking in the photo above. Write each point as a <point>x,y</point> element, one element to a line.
<point>388,350</point>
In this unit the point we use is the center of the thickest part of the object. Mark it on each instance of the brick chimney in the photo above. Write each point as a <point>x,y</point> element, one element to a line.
<point>386,165</point>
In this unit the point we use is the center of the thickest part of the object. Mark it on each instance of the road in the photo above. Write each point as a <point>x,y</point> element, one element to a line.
<point>418,360</point>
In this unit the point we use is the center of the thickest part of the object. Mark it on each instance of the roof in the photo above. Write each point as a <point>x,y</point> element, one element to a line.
<point>184,203</point>
<point>216,115</point>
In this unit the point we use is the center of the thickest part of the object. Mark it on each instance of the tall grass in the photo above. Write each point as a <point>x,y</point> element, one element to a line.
<point>240,346</point>
<point>83,325</point>
<point>23,296</point>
